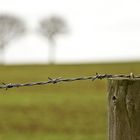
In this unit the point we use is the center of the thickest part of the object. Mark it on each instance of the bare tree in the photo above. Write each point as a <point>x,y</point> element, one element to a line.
<point>50,28</point>
<point>10,27</point>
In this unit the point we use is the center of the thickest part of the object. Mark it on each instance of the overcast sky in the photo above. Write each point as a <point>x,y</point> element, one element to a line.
<point>100,30</point>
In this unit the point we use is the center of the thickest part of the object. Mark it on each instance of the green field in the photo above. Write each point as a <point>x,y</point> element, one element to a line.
<point>64,111</point>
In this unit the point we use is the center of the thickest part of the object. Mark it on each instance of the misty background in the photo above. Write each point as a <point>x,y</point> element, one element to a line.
<point>99,31</point>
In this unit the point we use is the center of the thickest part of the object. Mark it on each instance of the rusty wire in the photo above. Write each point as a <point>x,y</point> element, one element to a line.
<point>58,80</point>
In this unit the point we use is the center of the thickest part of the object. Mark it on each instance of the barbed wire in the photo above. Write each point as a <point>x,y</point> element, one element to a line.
<point>58,80</point>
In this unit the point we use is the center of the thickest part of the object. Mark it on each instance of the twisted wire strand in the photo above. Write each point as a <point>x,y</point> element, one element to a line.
<point>58,80</point>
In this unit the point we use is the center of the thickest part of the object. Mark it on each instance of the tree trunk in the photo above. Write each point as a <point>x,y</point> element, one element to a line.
<point>124,109</point>
<point>52,52</point>
<point>2,54</point>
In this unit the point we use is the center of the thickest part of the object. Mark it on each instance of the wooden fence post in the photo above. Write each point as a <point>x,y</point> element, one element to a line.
<point>124,109</point>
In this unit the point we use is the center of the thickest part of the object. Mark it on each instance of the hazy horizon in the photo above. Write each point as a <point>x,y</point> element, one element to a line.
<point>100,31</point>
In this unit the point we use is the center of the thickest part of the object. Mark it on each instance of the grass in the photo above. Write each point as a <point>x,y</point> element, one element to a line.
<point>53,115</point>
<point>68,111</point>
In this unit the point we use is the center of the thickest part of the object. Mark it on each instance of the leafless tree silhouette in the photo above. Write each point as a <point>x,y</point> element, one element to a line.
<point>50,28</point>
<point>10,27</point>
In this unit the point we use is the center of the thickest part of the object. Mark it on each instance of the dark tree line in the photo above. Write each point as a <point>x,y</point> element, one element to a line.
<point>12,27</point>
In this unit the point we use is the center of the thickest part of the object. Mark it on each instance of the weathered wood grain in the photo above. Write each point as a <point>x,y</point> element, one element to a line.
<point>124,109</point>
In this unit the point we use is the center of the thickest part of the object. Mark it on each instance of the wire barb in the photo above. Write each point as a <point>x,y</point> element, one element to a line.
<point>58,80</point>
<point>54,81</point>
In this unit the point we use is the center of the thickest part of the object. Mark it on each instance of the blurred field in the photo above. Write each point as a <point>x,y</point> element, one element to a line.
<point>65,111</point>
